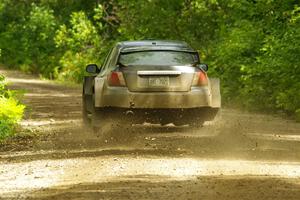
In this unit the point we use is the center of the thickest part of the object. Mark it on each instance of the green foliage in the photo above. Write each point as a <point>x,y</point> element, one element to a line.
<point>252,45</point>
<point>39,31</point>
<point>26,38</point>
<point>298,115</point>
<point>79,41</point>
<point>81,33</point>
<point>11,111</point>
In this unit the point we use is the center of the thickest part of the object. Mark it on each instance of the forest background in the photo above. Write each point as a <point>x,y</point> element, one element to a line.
<point>253,46</point>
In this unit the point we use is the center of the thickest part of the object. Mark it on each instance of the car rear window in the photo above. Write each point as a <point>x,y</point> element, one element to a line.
<point>158,58</point>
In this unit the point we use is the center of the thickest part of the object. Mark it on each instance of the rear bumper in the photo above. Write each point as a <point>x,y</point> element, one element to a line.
<point>121,97</point>
<point>162,115</point>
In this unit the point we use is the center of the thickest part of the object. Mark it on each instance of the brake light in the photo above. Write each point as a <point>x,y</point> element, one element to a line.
<point>200,79</point>
<point>116,79</point>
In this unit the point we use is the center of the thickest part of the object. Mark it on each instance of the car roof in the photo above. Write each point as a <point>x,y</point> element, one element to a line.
<point>145,45</point>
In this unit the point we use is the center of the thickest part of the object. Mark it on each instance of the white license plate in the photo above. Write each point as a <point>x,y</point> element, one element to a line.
<point>159,81</point>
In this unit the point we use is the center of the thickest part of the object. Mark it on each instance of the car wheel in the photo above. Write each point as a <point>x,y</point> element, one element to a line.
<point>85,114</point>
<point>104,122</point>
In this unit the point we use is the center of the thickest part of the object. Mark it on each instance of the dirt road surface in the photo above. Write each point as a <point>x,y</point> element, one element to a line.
<point>245,156</point>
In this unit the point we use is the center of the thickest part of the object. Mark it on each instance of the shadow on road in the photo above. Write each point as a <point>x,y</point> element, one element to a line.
<point>244,156</point>
<point>160,187</point>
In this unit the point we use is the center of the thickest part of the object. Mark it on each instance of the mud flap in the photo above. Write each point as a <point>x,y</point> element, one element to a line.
<point>99,84</point>
<point>88,85</point>
<point>88,91</point>
<point>216,94</point>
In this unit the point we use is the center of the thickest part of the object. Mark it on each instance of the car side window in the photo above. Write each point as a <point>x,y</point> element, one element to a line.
<point>113,59</point>
<point>105,63</point>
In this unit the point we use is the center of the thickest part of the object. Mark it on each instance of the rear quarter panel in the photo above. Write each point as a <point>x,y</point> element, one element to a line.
<point>99,85</point>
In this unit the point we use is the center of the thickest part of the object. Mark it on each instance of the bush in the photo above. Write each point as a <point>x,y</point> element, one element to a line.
<point>253,46</point>
<point>80,42</point>
<point>11,111</point>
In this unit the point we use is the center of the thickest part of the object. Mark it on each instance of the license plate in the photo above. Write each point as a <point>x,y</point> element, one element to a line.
<point>159,81</point>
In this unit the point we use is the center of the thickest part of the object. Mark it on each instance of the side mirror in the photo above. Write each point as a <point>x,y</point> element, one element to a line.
<point>203,67</point>
<point>92,69</point>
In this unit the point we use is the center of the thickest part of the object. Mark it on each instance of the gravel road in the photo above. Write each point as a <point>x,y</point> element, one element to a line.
<point>243,156</point>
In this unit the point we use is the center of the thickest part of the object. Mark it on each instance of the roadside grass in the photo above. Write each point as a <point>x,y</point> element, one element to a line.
<point>12,111</point>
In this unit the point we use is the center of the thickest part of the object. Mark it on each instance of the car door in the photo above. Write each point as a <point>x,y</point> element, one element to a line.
<point>89,84</point>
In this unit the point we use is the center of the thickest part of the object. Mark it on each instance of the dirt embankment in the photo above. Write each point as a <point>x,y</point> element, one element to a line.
<point>245,156</point>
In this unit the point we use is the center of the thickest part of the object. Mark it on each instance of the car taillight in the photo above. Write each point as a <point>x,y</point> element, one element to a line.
<point>116,79</point>
<point>200,79</point>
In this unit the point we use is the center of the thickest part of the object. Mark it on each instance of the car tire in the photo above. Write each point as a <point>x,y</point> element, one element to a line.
<point>103,122</point>
<point>97,120</point>
<point>85,114</point>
